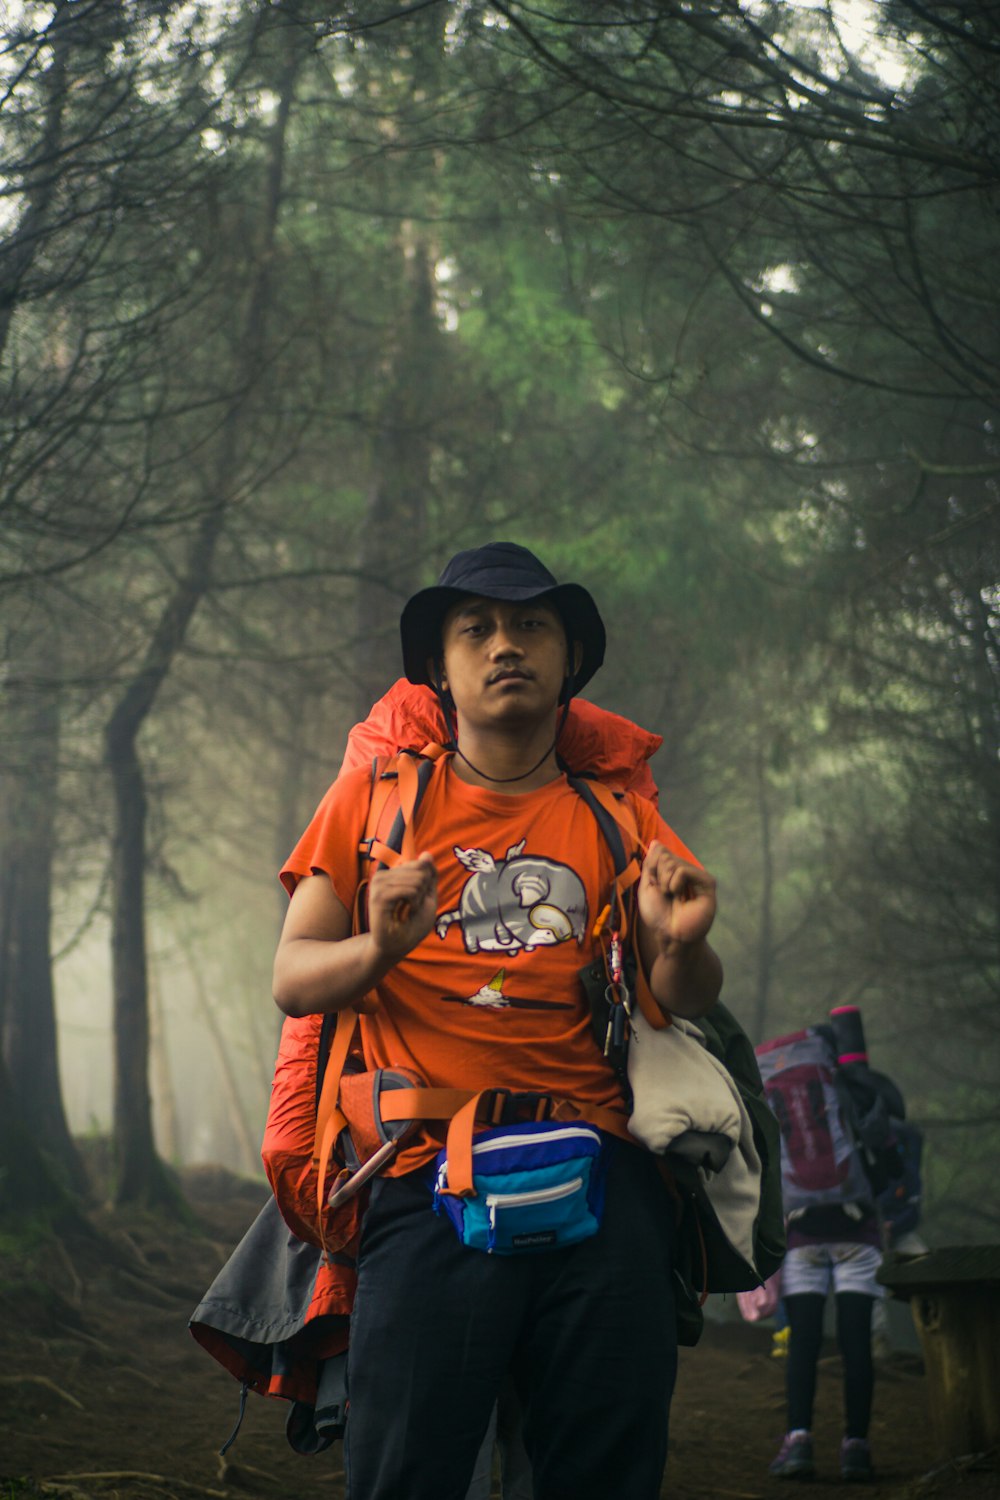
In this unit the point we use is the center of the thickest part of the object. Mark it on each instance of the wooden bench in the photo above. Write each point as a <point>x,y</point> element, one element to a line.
<point>954,1295</point>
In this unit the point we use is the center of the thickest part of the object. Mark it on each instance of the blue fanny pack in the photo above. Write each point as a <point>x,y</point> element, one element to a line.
<point>538,1186</point>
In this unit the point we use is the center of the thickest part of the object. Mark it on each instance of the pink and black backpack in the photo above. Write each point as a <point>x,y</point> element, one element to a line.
<point>820,1160</point>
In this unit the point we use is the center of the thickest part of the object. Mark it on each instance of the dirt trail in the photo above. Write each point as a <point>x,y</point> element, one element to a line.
<point>103,1392</point>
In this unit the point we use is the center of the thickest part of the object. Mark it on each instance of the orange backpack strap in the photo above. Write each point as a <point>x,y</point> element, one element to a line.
<point>329,1119</point>
<point>383,787</point>
<point>423,1103</point>
<point>408,775</point>
<point>618,808</point>
<point>459,1146</point>
<point>608,1120</point>
<point>616,822</point>
<point>404,777</point>
<point>652,1012</point>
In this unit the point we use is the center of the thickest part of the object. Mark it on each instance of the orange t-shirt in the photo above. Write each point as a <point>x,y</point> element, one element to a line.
<point>492,996</point>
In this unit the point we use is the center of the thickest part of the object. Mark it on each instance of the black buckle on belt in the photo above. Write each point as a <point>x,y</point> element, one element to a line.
<point>503,1107</point>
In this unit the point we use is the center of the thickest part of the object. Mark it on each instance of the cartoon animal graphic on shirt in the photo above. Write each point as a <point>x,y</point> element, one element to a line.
<point>517,904</point>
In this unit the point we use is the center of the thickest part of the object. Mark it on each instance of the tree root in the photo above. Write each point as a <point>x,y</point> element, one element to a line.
<point>46,1384</point>
<point>66,1261</point>
<point>243,1475</point>
<point>116,1476</point>
<point>164,1296</point>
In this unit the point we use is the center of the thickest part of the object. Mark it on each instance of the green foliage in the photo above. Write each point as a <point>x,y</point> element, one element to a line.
<point>21,1238</point>
<point>18,1489</point>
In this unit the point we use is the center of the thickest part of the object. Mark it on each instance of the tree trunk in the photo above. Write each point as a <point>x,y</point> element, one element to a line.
<point>393,536</point>
<point>247,1139</point>
<point>765,930</point>
<point>164,1095</point>
<point>27,815</point>
<point>27,837</point>
<point>30,1189</point>
<point>141,1176</point>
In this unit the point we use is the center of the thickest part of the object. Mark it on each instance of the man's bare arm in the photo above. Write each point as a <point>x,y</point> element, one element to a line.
<point>320,966</point>
<point>676,905</point>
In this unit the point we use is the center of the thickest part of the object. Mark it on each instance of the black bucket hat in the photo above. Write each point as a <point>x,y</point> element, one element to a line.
<point>499,570</point>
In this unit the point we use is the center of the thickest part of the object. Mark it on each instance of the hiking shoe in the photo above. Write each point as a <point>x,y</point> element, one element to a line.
<point>795,1456</point>
<point>856,1461</point>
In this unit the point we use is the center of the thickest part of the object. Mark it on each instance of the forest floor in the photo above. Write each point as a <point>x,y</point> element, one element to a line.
<point>103,1392</point>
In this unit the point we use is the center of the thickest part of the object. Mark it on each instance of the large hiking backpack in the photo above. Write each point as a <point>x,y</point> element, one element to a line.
<point>593,740</point>
<point>819,1160</point>
<point>837,1121</point>
<point>900,1202</point>
<point>277,1317</point>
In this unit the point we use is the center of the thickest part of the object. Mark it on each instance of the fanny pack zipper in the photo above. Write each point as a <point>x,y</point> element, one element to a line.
<point>537,1195</point>
<point>569,1132</point>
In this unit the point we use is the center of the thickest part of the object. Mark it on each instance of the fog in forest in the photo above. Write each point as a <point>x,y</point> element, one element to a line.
<point>699,303</point>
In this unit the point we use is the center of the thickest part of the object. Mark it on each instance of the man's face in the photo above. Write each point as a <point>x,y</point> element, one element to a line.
<point>503,663</point>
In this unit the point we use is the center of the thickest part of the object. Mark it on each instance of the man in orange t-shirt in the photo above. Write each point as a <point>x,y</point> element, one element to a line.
<point>474,950</point>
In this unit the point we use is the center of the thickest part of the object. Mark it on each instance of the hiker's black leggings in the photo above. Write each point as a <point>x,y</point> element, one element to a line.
<point>854,1337</point>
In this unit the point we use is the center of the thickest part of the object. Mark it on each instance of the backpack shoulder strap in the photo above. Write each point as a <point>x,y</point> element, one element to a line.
<point>614,817</point>
<point>338,1030</point>
<point>619,831</point>
<point>618,826</point>
<point>406,776</point>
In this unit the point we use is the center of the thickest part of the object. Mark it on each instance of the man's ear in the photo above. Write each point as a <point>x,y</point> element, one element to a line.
<point>436,673</point>
<point>569,681</point>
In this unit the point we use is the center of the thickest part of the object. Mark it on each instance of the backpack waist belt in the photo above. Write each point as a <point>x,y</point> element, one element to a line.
<point>412,1103</point>
<point>497,1106</point>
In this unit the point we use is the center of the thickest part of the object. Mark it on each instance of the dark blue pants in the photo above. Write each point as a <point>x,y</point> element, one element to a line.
<point>588,1332</point>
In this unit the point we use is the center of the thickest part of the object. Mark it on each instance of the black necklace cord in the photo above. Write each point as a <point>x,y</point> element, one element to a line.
<point>566,697</point>
<point>505,780</point>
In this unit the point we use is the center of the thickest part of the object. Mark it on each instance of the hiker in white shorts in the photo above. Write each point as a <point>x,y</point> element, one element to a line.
<point>831,1248</point>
